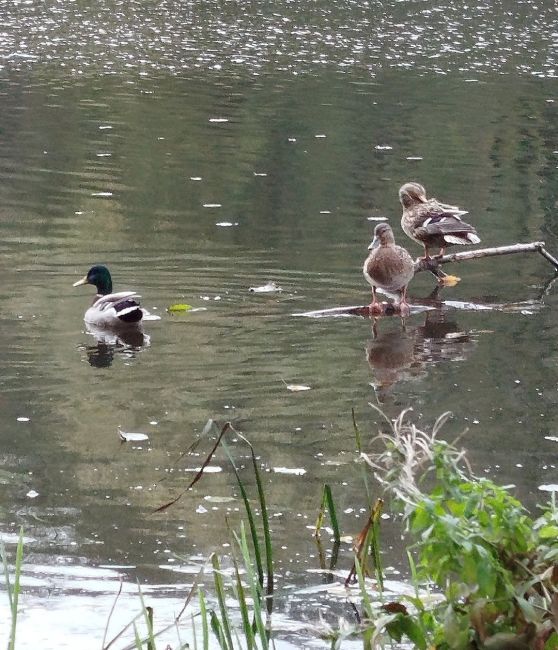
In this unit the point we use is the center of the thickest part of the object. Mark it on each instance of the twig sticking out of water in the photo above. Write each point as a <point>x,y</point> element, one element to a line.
<point>431,264</point>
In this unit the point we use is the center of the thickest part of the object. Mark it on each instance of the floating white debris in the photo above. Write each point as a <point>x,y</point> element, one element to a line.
<point>201,510</point>
<point>226,224</point>
<point>414,157</point>
<point>376,218</point>
<point>104,127</point>
<point>296,471</point>
<point>101,193</point>
<point>552,438</point>
<point>22,419</point>
<point>292,139</point>
<point>218,120</point>
<point>295,388</point>
<point>551,487</point>
<point>270,287</point>
<point>127,436</point>
<point>32,494</point>
<point>260,174</point>
<point>219,499</point>
<point>212,205</point>
<point>320,135</point>
<point>325,211</point>
<point>195,178</point>
<point>383,147</point>
<point>210,469</point>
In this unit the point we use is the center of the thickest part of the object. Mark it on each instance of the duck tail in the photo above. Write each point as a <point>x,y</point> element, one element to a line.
<point>128,311</point>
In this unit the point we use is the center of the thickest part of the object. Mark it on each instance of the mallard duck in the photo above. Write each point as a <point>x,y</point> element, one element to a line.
<point>110,309</point>
<point>388,267</point>
<point>432,223</point>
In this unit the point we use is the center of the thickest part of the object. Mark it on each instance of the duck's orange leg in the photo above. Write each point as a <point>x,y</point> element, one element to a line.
<point>375,307</point>
<point>403,304</point>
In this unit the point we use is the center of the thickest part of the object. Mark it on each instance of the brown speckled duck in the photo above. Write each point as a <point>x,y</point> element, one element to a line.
<point>432,223</point>
<point>388,267</point>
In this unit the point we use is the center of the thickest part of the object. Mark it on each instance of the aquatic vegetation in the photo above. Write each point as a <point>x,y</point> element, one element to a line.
<point>13,590</point>
<point>496,568</point>
<point>483,571</point>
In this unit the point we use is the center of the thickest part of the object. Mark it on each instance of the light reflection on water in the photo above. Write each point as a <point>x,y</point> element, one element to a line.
<point>138,171</point>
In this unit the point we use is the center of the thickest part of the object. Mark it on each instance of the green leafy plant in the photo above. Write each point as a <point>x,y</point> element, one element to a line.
<point>495,567</point>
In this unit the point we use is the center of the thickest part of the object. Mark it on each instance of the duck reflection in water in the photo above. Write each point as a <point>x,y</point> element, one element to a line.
<point>109,343</point>
<point>404,354</point>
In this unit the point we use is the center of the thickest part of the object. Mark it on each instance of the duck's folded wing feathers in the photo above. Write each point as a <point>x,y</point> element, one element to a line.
<point>111,299</point>
<point>450,227</point>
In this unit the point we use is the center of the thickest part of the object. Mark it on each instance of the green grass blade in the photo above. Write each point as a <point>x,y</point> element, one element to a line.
<point>267,534</point>
<point>244,612</point>
<point>332,513</point>
<point>137,638</point>
<point>364,595</point>
<point>194,633</point>
<point>148,617</point>
<point>358,437</point>
<point>16,589</point>
<point>218,631</point>
<point>205,626</point>
<point>220,590</point>
<point>374,533</point>
<point>255,588</point>
<point>250,515</point>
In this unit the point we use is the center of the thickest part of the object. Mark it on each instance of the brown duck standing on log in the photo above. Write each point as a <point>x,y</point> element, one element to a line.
<point>388,267</point>
<point>431,223</point>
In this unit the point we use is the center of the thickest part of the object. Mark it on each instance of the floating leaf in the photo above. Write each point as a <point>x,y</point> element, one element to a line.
<point>295,388</point>
<point>270,287</point>
<point>179,307</point>
<point>132,437</point>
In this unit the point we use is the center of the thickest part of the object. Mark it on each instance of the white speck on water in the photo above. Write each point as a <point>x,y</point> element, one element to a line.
<point>32,494</point>
<point>475,421</point>
<point>325,211</point>
<point>105,127</point>
<point>101,194</point>
<point>153,422</point>
<point>21,418</point>
<point>376,218</point>
<point>212,205</point>
<point>195,178</point>
<point>201,510</point>
<point>320,135</point>
<point>551,487</point>
<point>226,224</point>
<point>552,438</point>
<point>260,174</point>
<point>218,120</point>
<point>383,147</point>
<point>348,511</point>
<point>292,139</point>
<point>414,157</point>
<point>296,471</point>
<point>518,381</point>
<point>519,465</point>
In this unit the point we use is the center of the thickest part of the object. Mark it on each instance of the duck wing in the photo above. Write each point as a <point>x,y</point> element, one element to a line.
<point>124,303</point>
<point>442,220</point>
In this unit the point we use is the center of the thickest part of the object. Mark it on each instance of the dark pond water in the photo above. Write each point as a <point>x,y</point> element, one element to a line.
<point>202,149</point>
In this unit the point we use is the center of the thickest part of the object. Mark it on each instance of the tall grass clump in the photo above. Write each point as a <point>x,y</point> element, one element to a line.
<point>12,589</point>
<point>495,567</point>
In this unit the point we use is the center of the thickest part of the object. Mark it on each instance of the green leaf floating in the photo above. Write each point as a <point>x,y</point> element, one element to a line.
<point>179,307</point>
